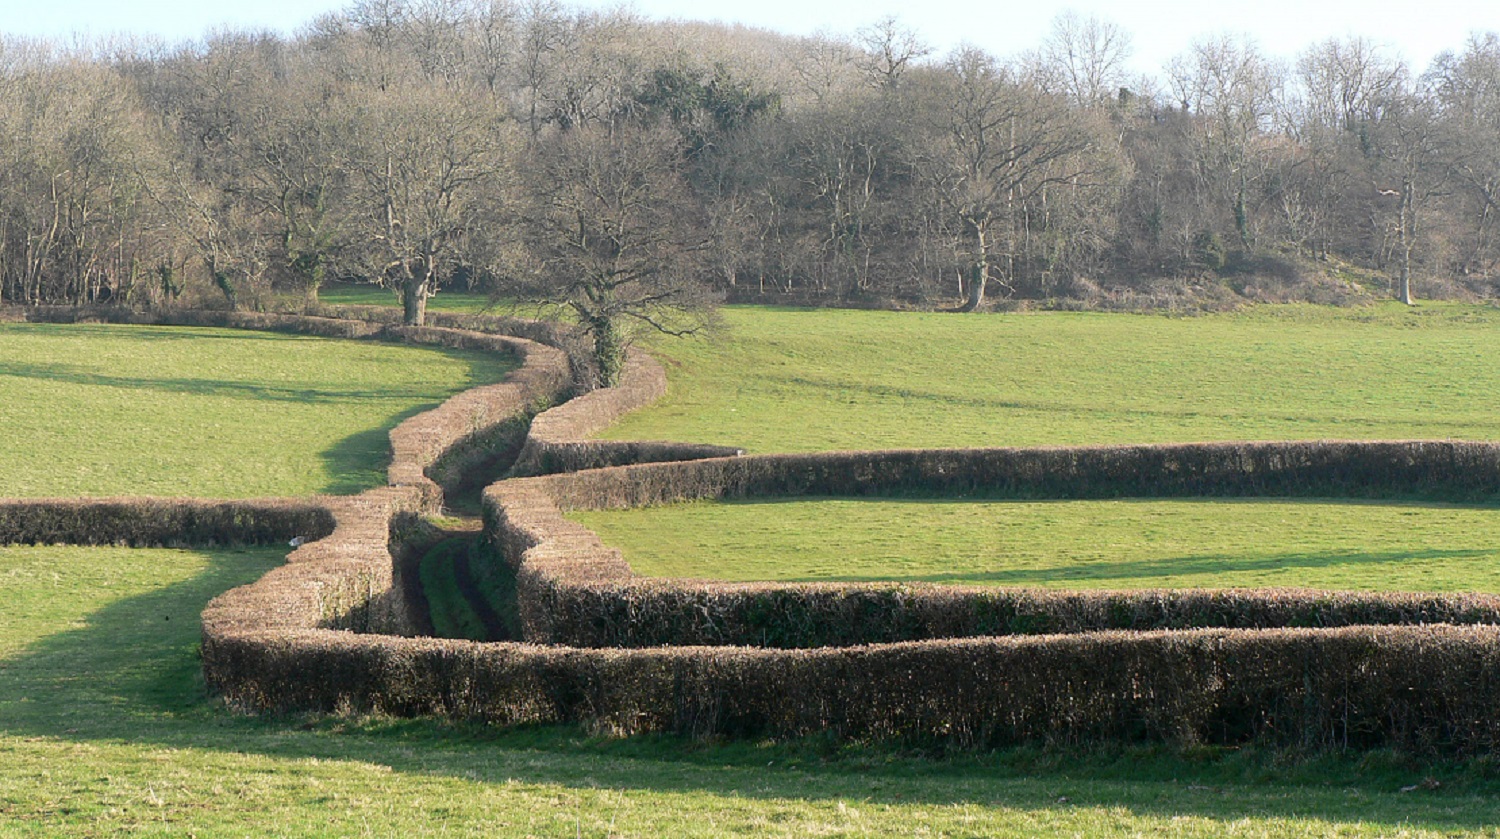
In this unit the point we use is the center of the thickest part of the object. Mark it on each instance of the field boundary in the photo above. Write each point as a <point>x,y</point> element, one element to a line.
<point>303,638</point>
<point>574,590</point>
<point>558,440</point>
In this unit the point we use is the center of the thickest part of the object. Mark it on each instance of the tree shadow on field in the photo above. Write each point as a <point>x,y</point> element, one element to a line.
<point>128,674</point>
<point>840,390</point>
<point>194,386</point>
<point>1179,566</point>
<point>358,462</point>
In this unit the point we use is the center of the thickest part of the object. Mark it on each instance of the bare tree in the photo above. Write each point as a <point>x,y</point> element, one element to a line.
<point>1342,83</point>
<point>618,237</point>
<point>1408,147</point>
<point>890,49</point>
<point>1232,90</point>
<point>1085,57</point>
<point>424,166</point>
<point>1467,89</point>
<point>1000,144</point>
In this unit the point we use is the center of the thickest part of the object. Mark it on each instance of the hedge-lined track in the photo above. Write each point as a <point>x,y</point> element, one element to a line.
<point>283,643</point>
<point>1215,684</point>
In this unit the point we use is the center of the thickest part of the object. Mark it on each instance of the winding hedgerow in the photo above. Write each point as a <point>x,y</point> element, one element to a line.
<point>867,662</point>
<point>574,590</point>
<point>558,439</point>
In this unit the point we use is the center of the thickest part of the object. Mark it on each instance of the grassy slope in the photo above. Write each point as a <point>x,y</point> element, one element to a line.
<point>1068,544</point>
<point>119,410</point>
<point>796,380</point>
<point>104,730</point>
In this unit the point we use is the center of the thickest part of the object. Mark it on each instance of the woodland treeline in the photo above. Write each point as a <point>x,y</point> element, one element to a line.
<point>625,168</point>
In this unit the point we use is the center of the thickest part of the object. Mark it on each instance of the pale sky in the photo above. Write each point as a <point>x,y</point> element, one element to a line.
<point>1160,28</point>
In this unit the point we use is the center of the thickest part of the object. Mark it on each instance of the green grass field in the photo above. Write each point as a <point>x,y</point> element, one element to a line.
<point>799,380</point>
<point>106,729</point>
<point>133,410</point>
<point>1124,544</point>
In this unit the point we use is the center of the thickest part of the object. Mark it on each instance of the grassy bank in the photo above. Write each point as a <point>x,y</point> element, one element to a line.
<point>130,410</point>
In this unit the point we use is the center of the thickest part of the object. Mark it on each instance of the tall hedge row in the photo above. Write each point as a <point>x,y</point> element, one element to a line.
<point>576,591</point>
<point>298,638</point>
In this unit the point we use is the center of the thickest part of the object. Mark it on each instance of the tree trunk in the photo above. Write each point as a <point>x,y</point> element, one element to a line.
<point>414,296</point>
<point>978,276</point>
<point>609,350</point>
<point>1403,293</point>
<point>979,273</point>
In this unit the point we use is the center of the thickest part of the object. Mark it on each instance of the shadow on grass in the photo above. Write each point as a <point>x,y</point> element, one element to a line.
<point>128,673</point>
<point>1179,566</point>
<point>81,375</point>
<point>836,389</point>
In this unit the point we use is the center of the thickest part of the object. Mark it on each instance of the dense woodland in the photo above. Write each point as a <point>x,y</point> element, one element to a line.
<point>626,169</point>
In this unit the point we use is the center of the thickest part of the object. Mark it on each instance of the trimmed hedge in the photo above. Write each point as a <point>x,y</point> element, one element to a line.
<point>159,522</point>
<point>1446,470</point>
<point>292,640</point>
<point>558,440</point>
<point>346,580</point>
<point>1429,689</point>
<point>576,591</point>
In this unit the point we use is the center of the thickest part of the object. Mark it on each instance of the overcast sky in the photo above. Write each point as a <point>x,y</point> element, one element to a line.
<point>1160,28</point>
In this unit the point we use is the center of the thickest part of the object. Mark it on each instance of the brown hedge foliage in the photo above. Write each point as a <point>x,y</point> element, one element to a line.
<point>577,347</point>
<point>433,450</point>
<point>558,440</point>
<point>346,580</point>
<point>159,522</point>
<point>1447,470</point>
<point>1429,689</point>
<point>574,590</point>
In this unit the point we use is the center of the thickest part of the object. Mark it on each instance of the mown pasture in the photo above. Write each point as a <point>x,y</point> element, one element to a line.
<point>132,410</point>
<point>1116,544</point>
<point>105,729</point>
<point>796,380</point>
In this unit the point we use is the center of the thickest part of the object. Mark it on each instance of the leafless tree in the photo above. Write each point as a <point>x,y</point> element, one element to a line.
<point>618,237</point>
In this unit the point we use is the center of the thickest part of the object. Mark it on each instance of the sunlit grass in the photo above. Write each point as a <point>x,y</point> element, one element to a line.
<point>804,380</point>
<point>133,410</point>
<point>373,295</point>
<point>106,729</point>
<point>1125,544</point>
